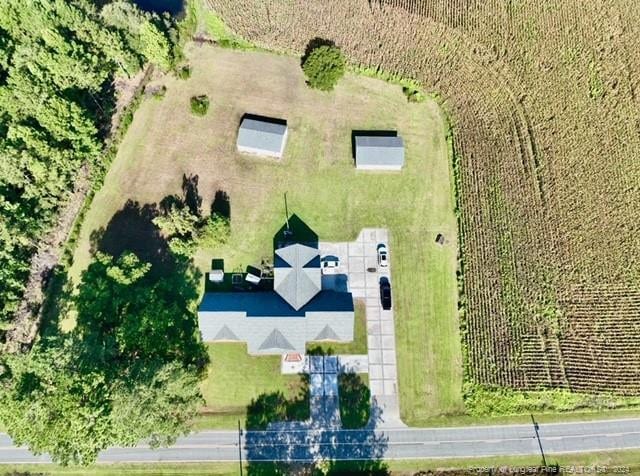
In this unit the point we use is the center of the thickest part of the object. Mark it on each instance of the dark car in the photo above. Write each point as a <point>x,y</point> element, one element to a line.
<point>385,293</point>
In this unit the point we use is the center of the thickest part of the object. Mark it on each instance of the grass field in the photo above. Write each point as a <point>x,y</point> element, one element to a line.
<point>626,462</point>
<point>165,142</point>
<point>235,378</point>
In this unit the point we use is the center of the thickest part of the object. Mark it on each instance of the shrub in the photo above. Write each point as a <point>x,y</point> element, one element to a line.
<point>413,94</point>
<point>184,72</point>
<point>199,105</point>
<point>159,93</point>
<point>324,66</point>
<point>214,231</point>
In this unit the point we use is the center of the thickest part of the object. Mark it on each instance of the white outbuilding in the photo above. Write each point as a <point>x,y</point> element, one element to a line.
<point>262,136</point>
<point>379,152</point>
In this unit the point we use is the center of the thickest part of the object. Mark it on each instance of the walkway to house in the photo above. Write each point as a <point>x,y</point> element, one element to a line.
<point>323,395</point>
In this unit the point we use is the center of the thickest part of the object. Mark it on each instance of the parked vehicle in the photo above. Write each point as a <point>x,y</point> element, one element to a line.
<point>385,293</point>
<point>329,264</point>
<point>383,256</point>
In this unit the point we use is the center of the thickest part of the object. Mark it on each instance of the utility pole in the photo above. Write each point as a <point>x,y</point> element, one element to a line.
<point>537,427</point>
<point>286,214</point>
<point>240,446</point>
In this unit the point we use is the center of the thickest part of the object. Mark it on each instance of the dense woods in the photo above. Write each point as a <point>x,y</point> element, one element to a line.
<point>57,63</point>
<point>129,367</point>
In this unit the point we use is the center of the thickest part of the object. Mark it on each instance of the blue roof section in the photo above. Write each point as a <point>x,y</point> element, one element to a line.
<point>280,263</point>
<point>314,263</point>
<point>270,304</point>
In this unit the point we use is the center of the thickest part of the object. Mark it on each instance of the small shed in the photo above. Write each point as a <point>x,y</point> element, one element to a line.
<point>379,152</point>
<point>263,136</point>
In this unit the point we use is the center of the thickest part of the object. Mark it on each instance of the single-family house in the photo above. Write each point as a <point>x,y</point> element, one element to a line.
<point>283,319</point>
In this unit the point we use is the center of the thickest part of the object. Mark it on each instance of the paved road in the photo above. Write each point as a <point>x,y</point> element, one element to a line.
<point>359,444</point>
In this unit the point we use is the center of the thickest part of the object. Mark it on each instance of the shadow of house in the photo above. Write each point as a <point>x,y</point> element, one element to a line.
<point>368,133</point>
<point>295,231</point>
<point>336,282</point>
<point>258,117</point>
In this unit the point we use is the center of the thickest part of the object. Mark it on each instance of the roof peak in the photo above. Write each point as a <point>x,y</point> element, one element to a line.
<point>299,281</point>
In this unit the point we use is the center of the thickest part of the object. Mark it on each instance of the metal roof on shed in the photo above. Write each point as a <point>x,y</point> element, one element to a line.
<point>262,135</point>
<point>379,150</point>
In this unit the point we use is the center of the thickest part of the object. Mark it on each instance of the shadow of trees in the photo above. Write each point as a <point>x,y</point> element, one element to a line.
<point>191,196</point>
<point>275,407</point>
<point>313,44</point>
<point>221,204</point>
<point>310,447</point>
<point>130,367</point>
<point>355,397</point>
<point>132,229</point>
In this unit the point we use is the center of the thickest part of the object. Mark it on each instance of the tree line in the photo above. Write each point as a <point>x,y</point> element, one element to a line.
<point>129,369</point>
<point>58,59</point>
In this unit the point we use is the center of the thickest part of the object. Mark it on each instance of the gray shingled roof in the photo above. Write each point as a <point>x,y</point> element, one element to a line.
<point>276,340</point>
<point>380,151</point>
<point>327,334</point>
<point>261,135</point>
<point>300,281</point>
<point>225,334</point>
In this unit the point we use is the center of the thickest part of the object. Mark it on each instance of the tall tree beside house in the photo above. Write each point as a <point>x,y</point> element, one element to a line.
<point>128,371</point>
<point>57,60</point>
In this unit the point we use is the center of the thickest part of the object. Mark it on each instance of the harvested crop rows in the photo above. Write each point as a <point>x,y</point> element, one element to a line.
<point>545,108</point>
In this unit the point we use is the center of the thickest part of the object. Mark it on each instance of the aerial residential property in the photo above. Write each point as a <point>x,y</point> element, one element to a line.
<point>283,319</point>
<point>457,291</point>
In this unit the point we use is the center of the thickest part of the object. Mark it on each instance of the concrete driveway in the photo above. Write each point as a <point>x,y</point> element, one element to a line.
<point>356,258</point>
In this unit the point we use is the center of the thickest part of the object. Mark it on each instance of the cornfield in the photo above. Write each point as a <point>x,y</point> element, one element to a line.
<point>545,107</point>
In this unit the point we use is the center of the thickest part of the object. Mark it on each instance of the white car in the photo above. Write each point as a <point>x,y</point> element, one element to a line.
<point>383,256</point>
<point>330,264</point>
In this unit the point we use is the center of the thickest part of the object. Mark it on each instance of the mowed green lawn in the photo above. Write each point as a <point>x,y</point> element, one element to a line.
<point>323,188</point>
<point>235,377</point>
